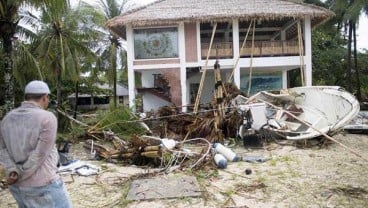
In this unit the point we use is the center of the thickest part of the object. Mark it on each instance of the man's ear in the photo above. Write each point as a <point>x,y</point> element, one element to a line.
<point>44,98</point>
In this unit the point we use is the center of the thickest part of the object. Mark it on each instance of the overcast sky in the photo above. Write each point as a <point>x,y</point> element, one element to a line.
<point>362,31</point>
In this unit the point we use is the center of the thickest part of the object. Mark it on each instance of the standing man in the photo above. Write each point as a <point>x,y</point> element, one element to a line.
<point>29,154</point>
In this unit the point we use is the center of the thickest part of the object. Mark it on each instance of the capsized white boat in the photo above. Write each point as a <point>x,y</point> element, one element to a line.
<point>317,109</point>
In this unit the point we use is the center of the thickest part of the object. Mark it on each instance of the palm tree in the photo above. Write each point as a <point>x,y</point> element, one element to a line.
<point>358,7</point>
<point>8,23</point>
<point>349,11</point>
<point>63,43</point>
<point>112,52</point>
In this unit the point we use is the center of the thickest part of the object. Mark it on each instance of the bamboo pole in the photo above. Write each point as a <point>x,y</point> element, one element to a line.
<point>251,62</point>
<point>219,98</point>
<point>240,52</point>
<point>301,53</point>
<point>199,93</point>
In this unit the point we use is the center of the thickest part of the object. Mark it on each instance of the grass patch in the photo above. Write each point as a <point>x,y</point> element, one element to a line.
<point>350,191</point>
<point>2,173</point>
<point>202,175</point>
<point>249,187</point>
<point>125,189</point>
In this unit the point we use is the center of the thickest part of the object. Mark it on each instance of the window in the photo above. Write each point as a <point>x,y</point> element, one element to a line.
<point>101,100</point>
<point>84,101</point>
<point>156,43</point>
<point>261,82</point>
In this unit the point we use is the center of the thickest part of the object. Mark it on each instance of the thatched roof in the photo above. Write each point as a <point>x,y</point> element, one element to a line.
<point>174,11</point>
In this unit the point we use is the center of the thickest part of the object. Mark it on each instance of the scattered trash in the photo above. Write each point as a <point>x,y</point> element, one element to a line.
<point>80,168</point>
<point>64,157</point>
<point>220,161</point>
<point>226,152</point>
<point>157,138</point>
<point>254,159</point>
<point>3,184</point>
<point>87,170</point>
<point>248,171</point>
<point>359,125</point>
<point>168,143</point>
<point>251,139</point>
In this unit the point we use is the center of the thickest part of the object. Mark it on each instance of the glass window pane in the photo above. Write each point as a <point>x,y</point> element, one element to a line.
<point>156,43</point>
<point>261,82</point>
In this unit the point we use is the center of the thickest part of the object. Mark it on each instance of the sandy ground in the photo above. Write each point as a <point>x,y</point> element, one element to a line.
<point>303,175</point>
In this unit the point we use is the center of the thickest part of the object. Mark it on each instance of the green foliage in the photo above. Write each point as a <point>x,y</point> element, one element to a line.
<point>330,48</point>
<point>122,121</point>
<point>26,65</point>
<point>76,131</point>
<point>329,59</point>
<point>363,67</point>
<point>111,53</point>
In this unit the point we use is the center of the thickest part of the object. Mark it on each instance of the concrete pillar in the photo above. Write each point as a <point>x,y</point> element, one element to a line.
<point>130,59</point>
<point>183,69</point>
<point>236,51</point>
<point>199,49</point>
<point>308,51</point>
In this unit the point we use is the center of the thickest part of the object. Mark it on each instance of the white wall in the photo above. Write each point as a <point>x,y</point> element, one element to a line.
<point>208,87</point>
<point>147,78</point>
<point>153,102</point>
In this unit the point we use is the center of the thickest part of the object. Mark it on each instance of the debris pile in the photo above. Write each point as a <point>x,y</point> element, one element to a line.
<point>207,123</point>
<point>148,150</point>
<point>164,138</point>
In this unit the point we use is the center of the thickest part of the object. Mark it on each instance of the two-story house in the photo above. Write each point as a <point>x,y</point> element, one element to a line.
<point>255,41</point>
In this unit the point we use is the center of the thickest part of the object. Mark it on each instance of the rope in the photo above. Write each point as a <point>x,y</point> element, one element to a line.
<point>301,53</point>
<point>155,118</point>
<point>199,93</point>
<point>241,50</point>
<point>251,61</point>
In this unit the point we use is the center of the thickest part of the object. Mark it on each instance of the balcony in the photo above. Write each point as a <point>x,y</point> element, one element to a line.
<point>224,50</point>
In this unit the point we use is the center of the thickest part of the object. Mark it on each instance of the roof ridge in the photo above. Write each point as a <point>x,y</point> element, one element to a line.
<point>134,10</point>
<point>301,2</point>
<point>141,7</point>
<point>160,12</point>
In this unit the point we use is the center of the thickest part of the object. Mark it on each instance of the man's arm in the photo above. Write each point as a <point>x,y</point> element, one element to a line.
<point>5,158</point>
<point>46,142</point>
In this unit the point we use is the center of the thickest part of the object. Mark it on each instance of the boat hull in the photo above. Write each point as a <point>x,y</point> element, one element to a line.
<point>303,112</point>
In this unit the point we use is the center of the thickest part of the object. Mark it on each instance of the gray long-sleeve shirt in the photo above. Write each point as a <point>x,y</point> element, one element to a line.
<point>27,145</point>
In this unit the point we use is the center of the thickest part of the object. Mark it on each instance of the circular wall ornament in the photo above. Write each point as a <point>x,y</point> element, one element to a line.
<point>156,44</point>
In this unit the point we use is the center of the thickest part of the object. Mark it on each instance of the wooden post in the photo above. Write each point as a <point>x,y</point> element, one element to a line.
<point>219,100</point>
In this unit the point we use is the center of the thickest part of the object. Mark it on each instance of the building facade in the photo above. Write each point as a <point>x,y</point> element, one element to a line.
<point>171,43</point>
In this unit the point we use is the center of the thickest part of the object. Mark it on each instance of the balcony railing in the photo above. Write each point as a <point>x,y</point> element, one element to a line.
<point>261,49</point>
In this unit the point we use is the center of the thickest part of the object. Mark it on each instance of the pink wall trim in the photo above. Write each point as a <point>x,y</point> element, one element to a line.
<point>159,61</point>
<point>190,42</point>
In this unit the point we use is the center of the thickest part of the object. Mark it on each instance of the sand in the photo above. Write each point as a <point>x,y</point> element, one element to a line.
<point>311,174</point>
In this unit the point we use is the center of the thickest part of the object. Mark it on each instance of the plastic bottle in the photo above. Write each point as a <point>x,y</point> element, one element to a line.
<point>220,161</point>
<point>226,152</point>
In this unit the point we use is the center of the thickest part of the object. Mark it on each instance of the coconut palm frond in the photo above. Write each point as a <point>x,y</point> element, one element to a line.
<point>121,121</point>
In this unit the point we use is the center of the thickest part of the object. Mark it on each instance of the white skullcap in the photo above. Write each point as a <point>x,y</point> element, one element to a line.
<point>37,87</point>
